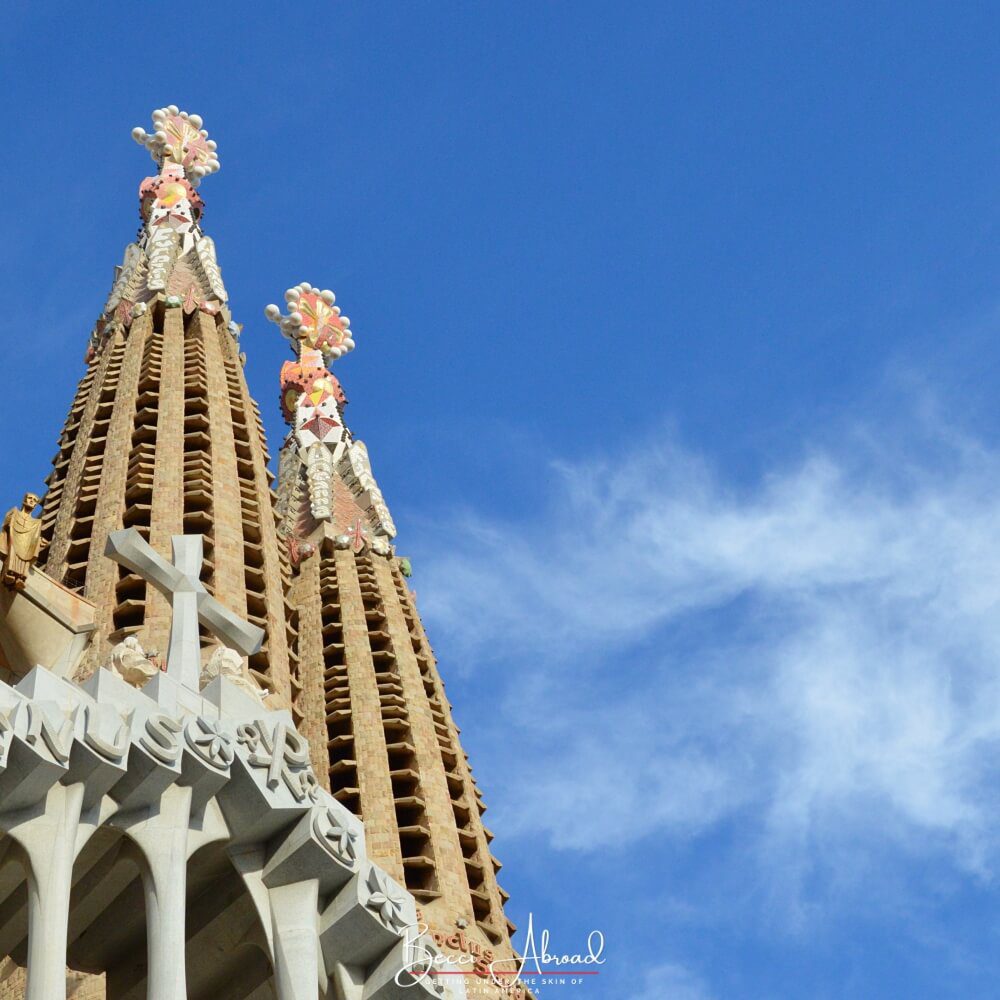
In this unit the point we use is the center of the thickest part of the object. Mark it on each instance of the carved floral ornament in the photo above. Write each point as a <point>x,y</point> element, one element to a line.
<point>384,900</point>
<point>178,137</point>
<point>336,836</point>
<point>210,742</point>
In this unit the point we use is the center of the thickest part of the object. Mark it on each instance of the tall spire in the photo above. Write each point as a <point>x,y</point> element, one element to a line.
<point>370,697</point>
<point>163,435</point>
<point>172,259</point>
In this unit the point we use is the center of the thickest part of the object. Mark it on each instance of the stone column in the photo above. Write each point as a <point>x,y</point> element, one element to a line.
<point>49,840</point>
<point>163,842</point>
<point>296,942</point>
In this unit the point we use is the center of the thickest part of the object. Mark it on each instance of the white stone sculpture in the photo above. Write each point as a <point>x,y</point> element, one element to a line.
<point>130,662</point>
<point>225,662</point>
<point>356,470</point>
<point>319,472</point>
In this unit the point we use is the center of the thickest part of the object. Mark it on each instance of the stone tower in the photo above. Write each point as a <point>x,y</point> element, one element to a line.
<point>163,434</point>
<point>163,437</point>
<point>371,700</point>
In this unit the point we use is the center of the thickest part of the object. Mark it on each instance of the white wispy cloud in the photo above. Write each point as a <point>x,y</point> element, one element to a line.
<point>817,651</point>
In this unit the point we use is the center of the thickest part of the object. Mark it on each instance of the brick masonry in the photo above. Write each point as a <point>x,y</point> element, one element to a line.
<point>163,435</point>
<point>394,752</point>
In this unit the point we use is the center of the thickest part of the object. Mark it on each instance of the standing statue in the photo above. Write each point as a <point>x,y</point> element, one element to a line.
<point>20,542</point>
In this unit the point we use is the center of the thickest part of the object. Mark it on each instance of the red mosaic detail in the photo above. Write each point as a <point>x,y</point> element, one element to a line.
<point>305,376</point>
<point>322,326</point>
<point>166,190</point>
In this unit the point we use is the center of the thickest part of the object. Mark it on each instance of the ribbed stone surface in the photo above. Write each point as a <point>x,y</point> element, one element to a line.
<point>163,435</point>
<point>393,751</point>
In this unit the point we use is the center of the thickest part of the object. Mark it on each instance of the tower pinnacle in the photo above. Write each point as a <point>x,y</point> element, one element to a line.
<point>172,261</point>
<point>313,322</point>
<point>312,402</point>
<point>164,436</point>
<point>178,138</point>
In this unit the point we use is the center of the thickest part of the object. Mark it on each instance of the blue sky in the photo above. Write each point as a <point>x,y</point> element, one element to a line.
<point>676,361</point>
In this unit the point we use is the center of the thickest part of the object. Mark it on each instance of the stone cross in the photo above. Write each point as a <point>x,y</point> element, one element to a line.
<point>190,602</point>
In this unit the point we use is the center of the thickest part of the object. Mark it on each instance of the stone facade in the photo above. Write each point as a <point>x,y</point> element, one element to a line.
<point>163,437</point>
<point>176,844</point>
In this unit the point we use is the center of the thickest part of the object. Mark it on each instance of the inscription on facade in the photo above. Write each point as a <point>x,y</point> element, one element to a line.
<point>284,753</point>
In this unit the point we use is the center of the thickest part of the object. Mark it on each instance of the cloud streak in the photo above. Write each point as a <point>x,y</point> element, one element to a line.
<point>815,652</point>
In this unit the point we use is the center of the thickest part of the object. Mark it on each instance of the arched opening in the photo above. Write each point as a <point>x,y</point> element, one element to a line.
<point>107,925</point>
<point>226,945</point>
<point>225,954</point>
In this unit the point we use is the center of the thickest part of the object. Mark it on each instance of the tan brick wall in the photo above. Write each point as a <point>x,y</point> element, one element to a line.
<point>168,475</point>
<point>119,368</point>
<point>79,986</point>
<point>305,596</point>
<point>259,488</point>
<point>227,513</point>
<point>444,779</point>
<point>55,557</point>
<point>448,733</point>
<point>452,883</point>
<point>377,806</point>
<point>102,574</point>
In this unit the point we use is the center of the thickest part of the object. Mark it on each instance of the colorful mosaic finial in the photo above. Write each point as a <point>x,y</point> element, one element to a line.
<point>172,260</point>
<point>313,322</point>
<point>179,138</point>
<point>320,451</point>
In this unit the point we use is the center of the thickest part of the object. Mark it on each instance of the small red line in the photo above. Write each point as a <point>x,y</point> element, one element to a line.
<point>544,972</point>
